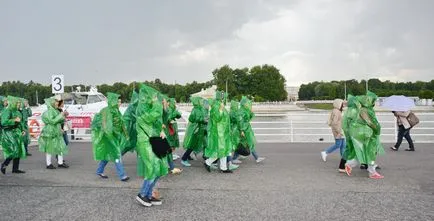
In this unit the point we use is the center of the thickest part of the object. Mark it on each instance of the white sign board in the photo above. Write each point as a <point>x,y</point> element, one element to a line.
<point>57,84</point>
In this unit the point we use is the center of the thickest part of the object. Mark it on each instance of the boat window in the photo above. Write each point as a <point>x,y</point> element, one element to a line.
<point>93,99</point>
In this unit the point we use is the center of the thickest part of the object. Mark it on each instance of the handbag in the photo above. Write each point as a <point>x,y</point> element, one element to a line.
<point>243,150</point>
<point>412,119</point>
<point>160,146</point>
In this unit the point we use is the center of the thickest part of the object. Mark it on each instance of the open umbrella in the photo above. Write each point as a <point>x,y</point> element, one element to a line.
<point>398,103</point>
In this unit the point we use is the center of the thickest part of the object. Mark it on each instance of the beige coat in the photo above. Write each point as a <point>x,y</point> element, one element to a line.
<point>335,119</point>
<point>401,118</point>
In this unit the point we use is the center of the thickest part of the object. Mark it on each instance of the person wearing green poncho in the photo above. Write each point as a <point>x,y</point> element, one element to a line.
<point>149,124</point>
<point>26,112</point>
<point>3,105</point>
<point>194,140</point>
<point>171,131</point>
<point>219,141</point>
<point>12,135</point>
<point>130,122</point>
<point>51,139</point>
<point>109,135</point>
<point>246,131</point>
<point>363,133</point>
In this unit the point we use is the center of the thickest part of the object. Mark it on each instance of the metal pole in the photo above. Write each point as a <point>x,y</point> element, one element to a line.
<point>226,86</point>
<point>345,97</point>
<point>37,100</point>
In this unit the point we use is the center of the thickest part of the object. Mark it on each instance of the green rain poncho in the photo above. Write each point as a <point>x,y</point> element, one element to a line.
<point>2,107</point>
<point>363,131</point>
<point>235,117</point>
<point>149,123</point>
<point>171,129</point>
<point>12,132</point>
<point>109,134</point>
<point>26,112</point>
<point>245,126</point>
<point>219,141</point>
<point>195,134</point>
<point>130,122</point>
<point>350,115</point>
<point>51,138</point>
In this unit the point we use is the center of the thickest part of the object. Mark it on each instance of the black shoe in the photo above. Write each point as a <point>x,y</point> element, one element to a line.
<point>394,148</point>
<point>363,167</point>
<point>125,179</point>
<point>51,167</point>
<point>208,168</point>
<point>143,200</point>
<point>155,201</point>
<point>3,169</point>
<point>409,149</point>
<point>63,165</point>
<point>102,176</point>
<point>18,171</point>
<point>226,171</point>
<point>28,154</point>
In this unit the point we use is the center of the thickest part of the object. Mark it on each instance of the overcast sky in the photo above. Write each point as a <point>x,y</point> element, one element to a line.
<point>105,41</point>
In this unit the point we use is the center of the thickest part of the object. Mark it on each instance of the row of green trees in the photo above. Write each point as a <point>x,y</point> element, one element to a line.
<point>336,89</point>
<point>263,83</point>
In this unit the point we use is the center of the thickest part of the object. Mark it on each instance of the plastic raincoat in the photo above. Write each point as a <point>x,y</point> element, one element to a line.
<point>195,134</point>
<point>149,123</point>
<point>2,107</point>
<point>51,139</point>
<point>171,129</point>
<point>245,126</point>
<point>109,134</point>
<point>364,131</point>
<point>235,117</point>
<point>219,141</point>
<point>26,112</point>
<point>12,132</point>
<point>130,122</point>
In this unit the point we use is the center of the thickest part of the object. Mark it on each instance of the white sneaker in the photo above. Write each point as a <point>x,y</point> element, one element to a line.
<point>324,156</point>
<point>260,159</point>
<point>236,161</point>
<point>175,157</point>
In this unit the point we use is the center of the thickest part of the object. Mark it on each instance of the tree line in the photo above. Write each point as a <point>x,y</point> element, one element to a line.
<point>336,89</point>
<point>262,83</point>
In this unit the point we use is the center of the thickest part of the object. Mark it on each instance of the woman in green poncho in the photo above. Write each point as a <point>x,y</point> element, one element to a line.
<point>26,111</point>
<point>363,135</point>
<point>130,122</point>
<point>219,141</point>
<point>247,135</point>
<point>195,138</point>
<point>171,131</point>
<point>51,139</point>
<point>109,135</point>
<point>12,136</point>
<point>149,124</point>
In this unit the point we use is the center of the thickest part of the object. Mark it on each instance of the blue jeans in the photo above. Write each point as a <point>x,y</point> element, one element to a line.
<point>65,138</point>
<point>339,144</point>
<point>148,187</point>
<point>254,154</point>
<point>119,168</point>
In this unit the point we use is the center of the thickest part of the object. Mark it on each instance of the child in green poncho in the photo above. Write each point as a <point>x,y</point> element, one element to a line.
<point>109,135</point>
<point>51,139</point>
<point>12,135</point>
<point>171,114</point>
<point>26,112</point>
<point>130,122</point>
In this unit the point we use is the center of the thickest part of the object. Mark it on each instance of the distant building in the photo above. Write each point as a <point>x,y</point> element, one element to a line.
<point>292,93</point>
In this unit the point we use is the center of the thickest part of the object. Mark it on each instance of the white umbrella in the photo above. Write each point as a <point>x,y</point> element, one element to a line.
<point>398,103</point>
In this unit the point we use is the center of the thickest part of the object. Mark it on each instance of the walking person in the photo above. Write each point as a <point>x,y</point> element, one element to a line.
<point>26,112</point>
<point>12,136</point>
<point>109,135</point>
<point>404,128</point>
<point>171,131</point>
<point>130,123</point>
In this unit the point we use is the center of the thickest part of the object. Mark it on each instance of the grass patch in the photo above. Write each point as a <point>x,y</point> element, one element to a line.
<point>319,106</point>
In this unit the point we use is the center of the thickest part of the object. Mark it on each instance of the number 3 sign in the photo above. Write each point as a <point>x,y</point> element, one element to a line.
<point>57,84</point>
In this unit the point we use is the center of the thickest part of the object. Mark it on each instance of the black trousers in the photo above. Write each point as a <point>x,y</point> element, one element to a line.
<point>342,164</point>
<point>15,163</point>
<point>404,133</point>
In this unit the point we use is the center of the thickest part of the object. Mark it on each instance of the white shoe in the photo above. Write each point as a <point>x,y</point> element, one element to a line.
<point>175,157</point>
<point>324,156</point>
<point>236,161</point>
<point>260,159</point>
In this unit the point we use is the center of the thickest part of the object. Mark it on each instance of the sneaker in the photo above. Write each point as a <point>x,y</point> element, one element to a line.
<point>226,171</point>
<point>63,165</point>
<point>260,159</point>
<point>185,163</point>
<point>342,171</point>
<point>102,176</point>
<point>18,171</point>
<point>233,167</point>
<point>125,179</point>
<point>3,169</point>
<point>51,167</point>
<point>143,200</point>
<point>155,201</point>
<point>409,149</point>
<point>324,156</point>
<point>394,148</point>
<point>237,161</point>
<point>376,176</point>
<point>175,156</point>
<point>348,169</point>
<point>208,168</point>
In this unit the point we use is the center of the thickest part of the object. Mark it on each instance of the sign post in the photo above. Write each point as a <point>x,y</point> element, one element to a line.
<point>57,84</point>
